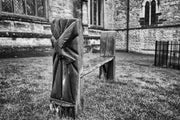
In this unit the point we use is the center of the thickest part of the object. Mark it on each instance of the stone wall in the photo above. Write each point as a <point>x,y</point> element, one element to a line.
<point>120,11</point>
<point>108,14</point>
<point>64,9</point>
<point>121,43</point>
<point>25,27</point>
<point>169,10</point>
<point>142,39</point>
<point>56,8</point>
<point>24,42</point>
<point>15,27</point>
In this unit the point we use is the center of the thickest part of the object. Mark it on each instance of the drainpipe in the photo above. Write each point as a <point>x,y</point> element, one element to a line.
<point>82,9</point>
<point>127,35</point>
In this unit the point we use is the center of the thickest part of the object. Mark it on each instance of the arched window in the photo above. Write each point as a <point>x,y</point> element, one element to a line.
<point>150,13</point>
<point>147,13</point>
<point>153,12</point>
<point>30,8</point>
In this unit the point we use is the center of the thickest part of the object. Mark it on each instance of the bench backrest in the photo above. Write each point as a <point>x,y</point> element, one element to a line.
<point>107,44</point>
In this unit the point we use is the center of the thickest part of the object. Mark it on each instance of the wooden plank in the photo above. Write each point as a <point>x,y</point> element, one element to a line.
<point>107,43</point>
<point>107,49</point>
<point>94,64</point>
<point>67,64</point>
<point>111,70</point>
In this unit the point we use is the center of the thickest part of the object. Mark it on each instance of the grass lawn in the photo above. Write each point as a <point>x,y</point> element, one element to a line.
<point>141,91</point>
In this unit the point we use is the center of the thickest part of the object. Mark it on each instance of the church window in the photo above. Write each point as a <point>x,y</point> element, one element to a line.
<point>150,12</point>
<point>96,11</point>
<point>36,8</point>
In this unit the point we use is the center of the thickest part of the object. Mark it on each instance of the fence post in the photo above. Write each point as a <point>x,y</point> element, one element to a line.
<point>155,59</point>
<point>163,52</point>
<point>167,54</point>
<point>160,52</point>
<point>179,57</point>
<point>167,48</point>
<point>170,54</point>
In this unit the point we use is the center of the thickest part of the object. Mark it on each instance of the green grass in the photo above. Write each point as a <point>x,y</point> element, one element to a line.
<point>140,92</point>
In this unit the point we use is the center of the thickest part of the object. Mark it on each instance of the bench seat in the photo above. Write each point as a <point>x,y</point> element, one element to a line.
<point>94,64</point>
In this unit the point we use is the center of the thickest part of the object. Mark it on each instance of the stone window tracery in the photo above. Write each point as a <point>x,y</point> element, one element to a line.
<point>153,12</point>
<point>24,7</point>
<point>149,13</point>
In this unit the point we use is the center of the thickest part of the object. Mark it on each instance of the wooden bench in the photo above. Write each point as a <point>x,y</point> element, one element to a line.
<point>106,64</point>
<point>106,60</point>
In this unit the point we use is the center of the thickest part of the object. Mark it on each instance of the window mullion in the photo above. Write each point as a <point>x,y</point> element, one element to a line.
<point>36,13</point>
<point>150,14</point>
<point>92,12</point>
<point>45,8</point>
<point>13,6</point>
<point>0,6</point>
<point>25,5</point>
<point>97,12</point>
<point>102,13</point>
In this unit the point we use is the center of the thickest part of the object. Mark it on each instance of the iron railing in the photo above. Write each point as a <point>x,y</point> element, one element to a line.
<point>167,54</point>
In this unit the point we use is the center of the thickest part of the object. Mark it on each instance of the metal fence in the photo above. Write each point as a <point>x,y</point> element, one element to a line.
<point>167,54</point>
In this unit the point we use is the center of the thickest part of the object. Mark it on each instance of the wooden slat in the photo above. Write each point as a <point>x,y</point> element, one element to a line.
<point>61,103</point>
<point>107,43</point>
<point>95,63</point>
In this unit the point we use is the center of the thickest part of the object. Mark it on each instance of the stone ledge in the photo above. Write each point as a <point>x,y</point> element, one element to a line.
<point>24,35</point>
<point>15,52</point>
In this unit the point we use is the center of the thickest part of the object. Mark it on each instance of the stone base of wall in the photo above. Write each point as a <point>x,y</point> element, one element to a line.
<point>24,47</point>
<point>143,40</point>
<point>24,42</point>
<point>16,52</point>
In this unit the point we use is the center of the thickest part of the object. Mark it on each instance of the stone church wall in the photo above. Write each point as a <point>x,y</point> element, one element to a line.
<point>142,39</point>
<point>17,33</point>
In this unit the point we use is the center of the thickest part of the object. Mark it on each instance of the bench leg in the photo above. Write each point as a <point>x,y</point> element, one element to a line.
<point>79,102</point>
<point>70,111</point>
<point>108,70</point>
<point>103,71</point>
<point>67,111</point>
<point>111,70</point>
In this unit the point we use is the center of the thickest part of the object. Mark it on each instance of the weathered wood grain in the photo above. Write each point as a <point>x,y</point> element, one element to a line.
<point>94,64</point>
<point>107,49</point>
<point>67,95</point>
<point>107,43</point>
